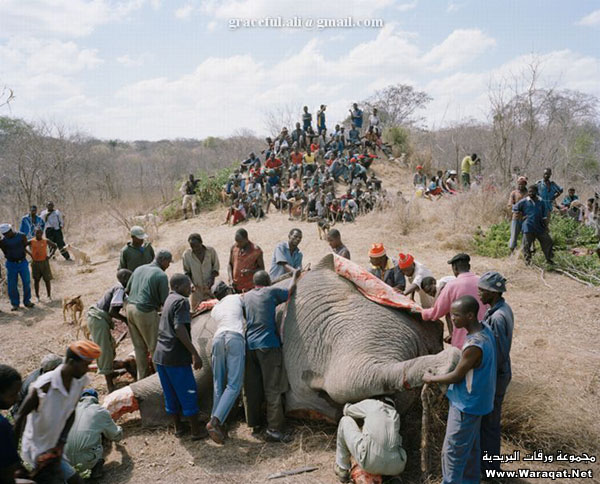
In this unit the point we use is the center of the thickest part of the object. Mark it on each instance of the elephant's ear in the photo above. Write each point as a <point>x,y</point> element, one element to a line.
<point>313,380</point>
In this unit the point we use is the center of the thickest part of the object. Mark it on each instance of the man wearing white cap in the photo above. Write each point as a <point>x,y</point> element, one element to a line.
<point>137,252</point>
<point>14,246</point>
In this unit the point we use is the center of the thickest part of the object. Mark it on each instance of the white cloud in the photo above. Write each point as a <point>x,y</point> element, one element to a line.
<point>591,19</point>
<point>71,18</point>
<point>454,6</point>
<point>460,47</point>
<point>129,61</point>
<point>185,12</point>
<point>405,7</point>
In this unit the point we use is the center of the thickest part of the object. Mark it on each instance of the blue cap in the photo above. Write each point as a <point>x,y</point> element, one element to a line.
<point>89,392</point>
<point>492,281</point>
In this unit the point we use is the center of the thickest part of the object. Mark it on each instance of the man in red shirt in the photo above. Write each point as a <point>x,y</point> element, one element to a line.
<point>273,163</point>
<point>245,259</point>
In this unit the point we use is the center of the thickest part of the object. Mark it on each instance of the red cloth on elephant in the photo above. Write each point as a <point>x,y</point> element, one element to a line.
<point>370,286</point>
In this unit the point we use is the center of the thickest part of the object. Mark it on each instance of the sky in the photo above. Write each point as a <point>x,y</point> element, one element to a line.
<point>164,69</point>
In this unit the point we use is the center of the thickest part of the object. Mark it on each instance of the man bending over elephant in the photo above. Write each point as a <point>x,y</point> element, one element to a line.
<point>228,354</point>
<point>471,389</point>
<point>287,256</point>
<point>377,448</point>
<point>265,378</point>
<point>386,268</point>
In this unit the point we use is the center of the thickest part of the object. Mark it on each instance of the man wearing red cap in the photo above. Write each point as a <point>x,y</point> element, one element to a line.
<point>47,426</point>
<point>419,180</point>
<point>415,272</point>
<point>386,268</point>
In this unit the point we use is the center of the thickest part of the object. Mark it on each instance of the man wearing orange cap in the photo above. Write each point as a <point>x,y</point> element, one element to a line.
<point>47,426</point>
<point>386,268</point>
<point>415,272</point>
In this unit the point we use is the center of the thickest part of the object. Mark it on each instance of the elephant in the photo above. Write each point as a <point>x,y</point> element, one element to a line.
<point>338,347</point>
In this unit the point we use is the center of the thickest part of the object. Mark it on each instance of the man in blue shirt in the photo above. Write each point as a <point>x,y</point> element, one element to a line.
<point>287,256</point>
<point>265,379</point>
<point>500,319</point>
<point>321,127</point>
<point>30,222</point>
<point>356,116</point>
<point>469,401</point>
<point>14,246</point>
<point>534,213</point>
<point>548,191</point>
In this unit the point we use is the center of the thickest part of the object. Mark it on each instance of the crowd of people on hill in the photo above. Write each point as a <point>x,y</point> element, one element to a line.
<point>298,172</point>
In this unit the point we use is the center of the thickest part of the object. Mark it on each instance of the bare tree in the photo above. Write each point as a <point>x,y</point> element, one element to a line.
<point>398,105</point>
<point>277,117</point>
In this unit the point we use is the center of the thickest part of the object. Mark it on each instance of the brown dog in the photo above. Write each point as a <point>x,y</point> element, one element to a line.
<point>74,305</point>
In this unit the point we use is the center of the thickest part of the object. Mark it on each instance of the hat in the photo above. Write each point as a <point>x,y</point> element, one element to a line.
<point>452,172</point>
<point>50,362</point>
<point>521,179</point>
<point>5,228</point>
<point>459,257</point>
<point>90,392</point>
<point>405,260</point>
<point>138,232</point>
<point>419,167</point>
<point>352,160</point>
<point>377,250</point>
<point>86,350</point>
<point>492,281</point>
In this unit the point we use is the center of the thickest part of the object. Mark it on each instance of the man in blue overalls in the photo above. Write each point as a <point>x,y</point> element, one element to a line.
<point>14,246</point>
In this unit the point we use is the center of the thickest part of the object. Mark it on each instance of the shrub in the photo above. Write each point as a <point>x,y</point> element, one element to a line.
<point>494,242</point>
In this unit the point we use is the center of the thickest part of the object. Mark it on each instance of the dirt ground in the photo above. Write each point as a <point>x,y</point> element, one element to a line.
<point>552,403</point>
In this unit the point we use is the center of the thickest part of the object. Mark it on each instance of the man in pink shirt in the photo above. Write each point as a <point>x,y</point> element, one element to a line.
<point>465,284</point>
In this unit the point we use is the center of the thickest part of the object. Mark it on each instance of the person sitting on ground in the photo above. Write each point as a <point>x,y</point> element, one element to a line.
<point>414,272</point>
<point>40,262</point>
<point>48,412</point>
<point>386,268</point>
<point>465,284</point>
<point>31,222</point>
<point>471,394</point>
<point>14,245</point>
<point>568,200</point>
<point>452,182</point>
<point>334,238</point>
<point>516,222</point>
<point>100,322</point>
<point>175,355</point>
<point>237,212</point>
<point>10,462</point>
<point>49,362</point>
<point>500,319</point>
<point>245,259</point>
<point>147,289</point>
<point>92,425</point>
<point>201,265</point>
<point>228,357</point>
<point>137,252</point>
<point>354,135</point>
<point>419,179</point>
<point>265,379</point>
<point>377,447</point>
<point>535,214</point>
<point>433,190</point>
<point>434,287</point>
<point>286,256</point>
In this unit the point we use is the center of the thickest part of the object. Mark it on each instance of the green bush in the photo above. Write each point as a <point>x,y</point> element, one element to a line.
<point>566,234</point>
<point>399,138</point>
<point>208,192</point>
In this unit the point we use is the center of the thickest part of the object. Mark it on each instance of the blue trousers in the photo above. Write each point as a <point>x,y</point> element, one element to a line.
<point>228,357</point>
<point>490,426</point>
<point>179,389</point>
<point>13,271</point>
<point>460,453</point>
<point>515,230</point>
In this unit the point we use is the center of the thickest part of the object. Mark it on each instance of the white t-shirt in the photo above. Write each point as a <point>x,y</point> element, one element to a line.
<point>441,283</point>
<point>420,273</point>
<point>229,314</point>
<point>44,425</point>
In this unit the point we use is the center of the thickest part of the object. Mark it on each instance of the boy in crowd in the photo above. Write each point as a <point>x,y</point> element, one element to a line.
<point>334,238</point>
<point>40,262</point>
<point>175,355</point>
<point>471,393</point>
